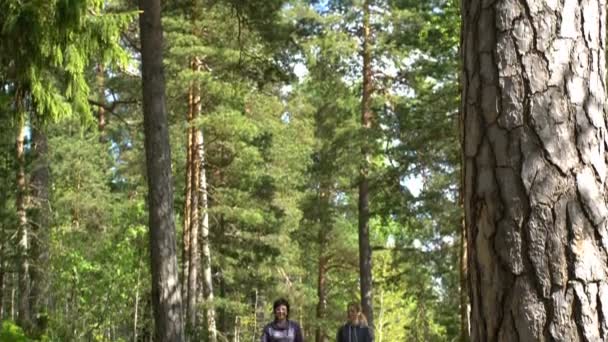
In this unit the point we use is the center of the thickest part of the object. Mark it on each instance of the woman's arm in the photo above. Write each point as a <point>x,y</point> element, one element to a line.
<point>264,335</point>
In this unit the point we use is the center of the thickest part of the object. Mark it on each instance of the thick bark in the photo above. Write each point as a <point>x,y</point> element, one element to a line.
<point>24,312</point>
<point>40,223</point>
<point>166,294</point>
<point>365,251</point>
<point>534,137</point>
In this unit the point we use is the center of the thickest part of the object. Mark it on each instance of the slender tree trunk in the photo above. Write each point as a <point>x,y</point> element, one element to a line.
<point>40,223</point>
<point>166,294</point>
<point>13,294</point>
<point>324,222</point>
<point>190,265</point>
<point>535,170</point>
<point>195,221</point>
<point>365,251</point>
<point>255,315</point>
<point>101,94</point>
<point>187,194</point>
<point>205,243</point>
<point>320,333</point>
<point>24,312</point>
<point>237,329</point>
<point>136,313</point>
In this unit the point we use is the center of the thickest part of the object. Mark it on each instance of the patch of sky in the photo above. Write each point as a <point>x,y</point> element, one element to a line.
<point>413,183</point>
<point>321,6</point>
<point>286,117</point>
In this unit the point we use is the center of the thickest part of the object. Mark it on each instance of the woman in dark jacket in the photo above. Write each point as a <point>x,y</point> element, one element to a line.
<point>356,329</point>
<point>282,329</point>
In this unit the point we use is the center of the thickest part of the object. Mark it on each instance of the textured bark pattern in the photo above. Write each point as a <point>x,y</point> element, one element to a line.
<point>534,139</point>
<point>166,294</point>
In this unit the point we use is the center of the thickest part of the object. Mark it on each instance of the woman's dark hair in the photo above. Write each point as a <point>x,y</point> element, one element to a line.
<point>279,302</point>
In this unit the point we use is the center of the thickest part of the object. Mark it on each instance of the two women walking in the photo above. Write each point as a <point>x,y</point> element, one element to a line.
<point>282,329</point>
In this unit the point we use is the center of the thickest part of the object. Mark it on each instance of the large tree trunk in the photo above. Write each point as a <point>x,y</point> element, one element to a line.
<point>534,135</point>
<point>24,312</point>
<point>166,295</point>
<point>365,251</point>
<point>40,223</point>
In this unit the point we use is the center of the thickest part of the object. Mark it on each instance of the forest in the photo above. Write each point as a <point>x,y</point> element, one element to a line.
<point>169,169</point>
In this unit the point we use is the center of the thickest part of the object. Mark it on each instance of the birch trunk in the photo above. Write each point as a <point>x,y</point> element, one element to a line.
<point>534,138</point>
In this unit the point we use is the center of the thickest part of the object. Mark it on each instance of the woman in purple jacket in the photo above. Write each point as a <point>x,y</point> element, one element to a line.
<point>282,329</point>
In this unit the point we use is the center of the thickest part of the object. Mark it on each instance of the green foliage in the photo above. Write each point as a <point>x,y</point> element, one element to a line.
<point>282,158</point>
<point>98,243</point>
<point>48,47</point>
<point>10,332</point>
